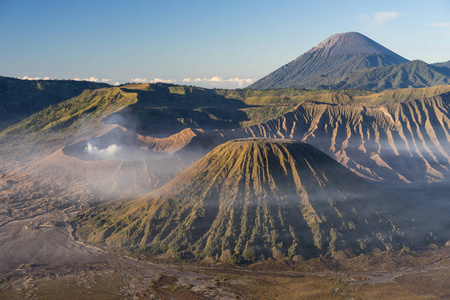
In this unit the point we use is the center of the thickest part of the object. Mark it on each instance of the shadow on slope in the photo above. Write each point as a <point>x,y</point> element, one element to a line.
<point>22,98</point>
<point>167,109</point>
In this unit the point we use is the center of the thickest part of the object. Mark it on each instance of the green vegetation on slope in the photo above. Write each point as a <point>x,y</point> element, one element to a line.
<point>21,98</point>
<point>167,109</point>
<point>65,122</point>
<point>264,105</point>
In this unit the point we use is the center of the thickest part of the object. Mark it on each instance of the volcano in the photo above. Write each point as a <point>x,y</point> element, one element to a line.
<point>338,54</point>
<point>259,198</point>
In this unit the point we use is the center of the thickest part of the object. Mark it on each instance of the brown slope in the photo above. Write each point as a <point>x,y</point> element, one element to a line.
<point>256,198</point>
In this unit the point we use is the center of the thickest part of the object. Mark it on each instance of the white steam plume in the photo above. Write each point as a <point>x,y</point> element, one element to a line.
<point>108,153</point>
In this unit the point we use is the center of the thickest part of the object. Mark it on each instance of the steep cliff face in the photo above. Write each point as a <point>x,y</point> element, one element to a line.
<point>405,142</point>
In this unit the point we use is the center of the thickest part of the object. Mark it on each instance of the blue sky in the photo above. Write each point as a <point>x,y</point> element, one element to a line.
<point>211,43</point>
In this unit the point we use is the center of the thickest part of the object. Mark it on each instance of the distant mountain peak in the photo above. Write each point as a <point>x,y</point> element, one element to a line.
<point>331,63</point>
<point>351,44</point>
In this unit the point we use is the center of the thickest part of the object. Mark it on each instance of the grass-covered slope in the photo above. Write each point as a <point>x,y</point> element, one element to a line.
<point>21,98</point>
<point>59,124</point>
<point>167,109</point>
<point>256,198</point>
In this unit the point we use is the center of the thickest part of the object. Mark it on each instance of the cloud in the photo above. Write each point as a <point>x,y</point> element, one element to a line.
<point>106,80</point>
<point>162,80</point>
<point>30,78</point>
<point>440,25</point>
<point>34,78</point>
<point>379,18</point>
<point>139,80</point>
<point>116,83</point>
<point>93,79</point>
<point>155,80</point>
<point>240,81</point>
<point>219,81</point>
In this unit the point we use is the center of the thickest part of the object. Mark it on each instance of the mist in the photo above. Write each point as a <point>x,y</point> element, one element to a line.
<point>117,164</point>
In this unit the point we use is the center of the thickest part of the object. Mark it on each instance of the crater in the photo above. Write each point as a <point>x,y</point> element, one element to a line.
<point>118,144</point>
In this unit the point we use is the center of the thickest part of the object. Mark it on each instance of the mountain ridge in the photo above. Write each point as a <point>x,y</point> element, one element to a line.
<point>21,98</point>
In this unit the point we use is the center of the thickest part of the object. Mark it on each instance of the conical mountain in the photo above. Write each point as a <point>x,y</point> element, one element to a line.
<point>254,198</point>
<point>336,55</point>
<point>352,44</point>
